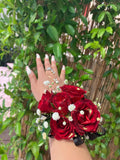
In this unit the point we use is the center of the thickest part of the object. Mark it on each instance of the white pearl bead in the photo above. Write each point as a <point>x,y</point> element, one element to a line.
<point>82,112</point>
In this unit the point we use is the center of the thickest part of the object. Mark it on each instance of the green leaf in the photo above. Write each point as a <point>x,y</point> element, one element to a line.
<point>87,45</point>
<point>29,155</point>
<point>109,30</point>
<point>40,156</point>
<point>70,30</point>
<point>49,47</point>
<point>115,75</point>
<point>109,17</point>
<point>88,71</point>
<point>100,32</point>
<point>41,142</point>
<point>4,157</point>
<point>84,19</point>
<point>40,11</point>
<point>5,124</point>
<point>57,50</point>
<point>8,92</point>
<point>101,16</point>
<point>68,70</point>
<point>2,149</point>
<point>114,7</point>
<point>101,5</point>
<point>85,77</point>
<point>52,32</point>
<point>102,52</point>
<point>36,36</point>
<point>107,73</point>
<point>118,97</point>
<point>116,140</point>
<point>35,149</point>
<point>18,129</point>
<point>94,31</point>
<point>72,9</point>
<point>32,18</point>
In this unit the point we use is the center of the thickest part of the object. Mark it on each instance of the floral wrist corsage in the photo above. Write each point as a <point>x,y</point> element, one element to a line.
<point>70,115</point>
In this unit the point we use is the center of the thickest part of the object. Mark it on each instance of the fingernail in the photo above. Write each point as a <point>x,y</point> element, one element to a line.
<point>37,55</point>
<point>63,67</point>
<point>53,58</point>
<point>28,70</point>
<point>46,56</point>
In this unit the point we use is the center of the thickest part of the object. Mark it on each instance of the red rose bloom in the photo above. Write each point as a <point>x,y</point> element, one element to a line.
<point>86,117</point>
<point>62,129</point>
<point>45,103</point>
<point>74,92</point>
<point>61,102</point>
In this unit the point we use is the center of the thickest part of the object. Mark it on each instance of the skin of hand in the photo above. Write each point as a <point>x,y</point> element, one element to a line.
<point>62,149</point>
<point>37,85</point>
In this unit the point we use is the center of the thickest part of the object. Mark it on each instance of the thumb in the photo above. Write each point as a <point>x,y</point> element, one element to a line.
<point>31,75</point>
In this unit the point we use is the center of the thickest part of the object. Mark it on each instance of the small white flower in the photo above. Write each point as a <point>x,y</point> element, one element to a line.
<point>45,124</point>
<point>71,107</point>
<point>87,137</point>
<point>38,112</point>
<point>99,104</point>
<point>95,103</point>
<point>65,81</point>
<point>44,135</point>
<point>40,128</point>
<point>37,120</point>
<point>70,118</point>
<point>81,86</point>
<point>42,118</point>
<point>55,116</point>
<point>98,119</point>
<point>82,112</point>
<point>77,84</point>
<point>64,123</point>
<point>46,82</point>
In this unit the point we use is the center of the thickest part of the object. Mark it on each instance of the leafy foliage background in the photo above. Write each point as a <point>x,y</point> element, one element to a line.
<point>62,28</point>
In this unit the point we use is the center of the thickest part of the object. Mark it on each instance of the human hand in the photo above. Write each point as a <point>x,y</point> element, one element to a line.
<point>48,78</point>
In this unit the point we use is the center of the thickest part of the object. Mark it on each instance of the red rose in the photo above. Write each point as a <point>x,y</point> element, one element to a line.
<point>45,103</point>
<point>62,129</point>
<point>61,102</point>
<point>74,92</point>
<point>86,117</point>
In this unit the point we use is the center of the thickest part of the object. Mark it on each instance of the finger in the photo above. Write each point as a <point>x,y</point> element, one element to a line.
<point>47,63</point>
<point>40,68</point>
<point>31,75</point>
<point>53,64</point>
<point>62,74</point>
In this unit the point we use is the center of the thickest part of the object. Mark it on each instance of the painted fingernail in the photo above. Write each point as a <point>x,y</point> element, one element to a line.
<point>63,67</point>
<point>37,55</point>
<point>28,70</point>
<point>53,58</point>
<point>46,56</point>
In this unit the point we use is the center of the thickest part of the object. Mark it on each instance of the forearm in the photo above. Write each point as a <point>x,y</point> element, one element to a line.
<point>66,150</point>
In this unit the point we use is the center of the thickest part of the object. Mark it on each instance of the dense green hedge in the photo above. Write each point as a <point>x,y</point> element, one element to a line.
<point>31,27</point>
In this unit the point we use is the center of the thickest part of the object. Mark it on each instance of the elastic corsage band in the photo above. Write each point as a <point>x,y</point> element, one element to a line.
<point>70,115</point>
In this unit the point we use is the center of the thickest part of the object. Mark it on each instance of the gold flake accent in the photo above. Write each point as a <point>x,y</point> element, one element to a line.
<point>78,88</point>
<point>70,135</point>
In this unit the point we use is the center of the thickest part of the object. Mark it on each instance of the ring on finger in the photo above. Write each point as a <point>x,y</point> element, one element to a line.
<point>48,69</point>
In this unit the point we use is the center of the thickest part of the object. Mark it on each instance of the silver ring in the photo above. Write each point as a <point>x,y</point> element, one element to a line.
<point>49,69</point>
